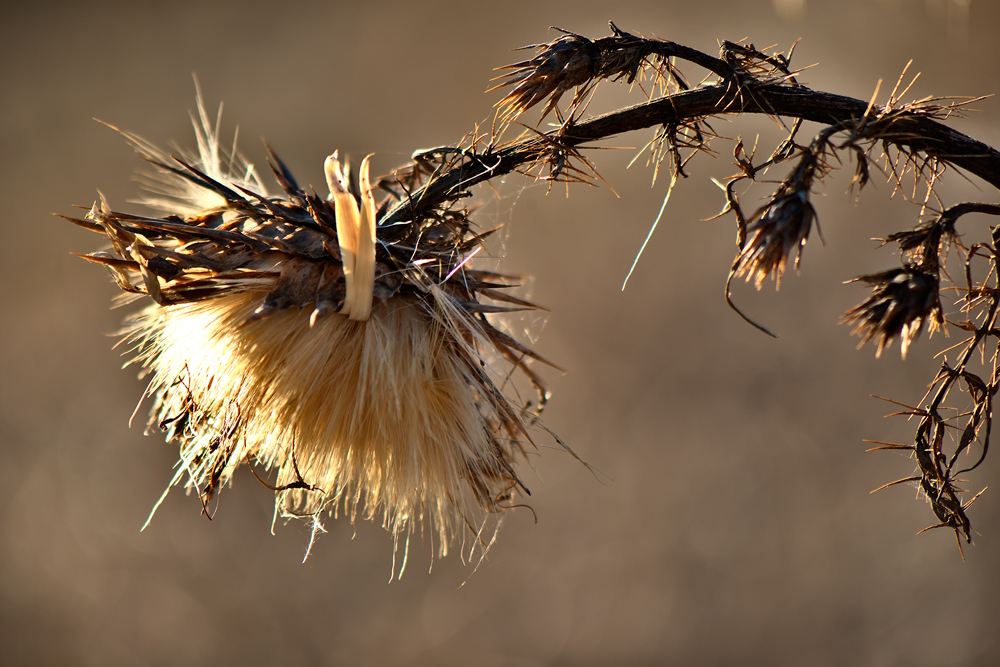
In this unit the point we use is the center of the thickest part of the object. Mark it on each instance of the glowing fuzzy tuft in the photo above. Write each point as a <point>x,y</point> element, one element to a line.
<point>355,361</point>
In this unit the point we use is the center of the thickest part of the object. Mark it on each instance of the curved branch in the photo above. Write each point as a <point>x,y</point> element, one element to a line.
<point>913,131</point>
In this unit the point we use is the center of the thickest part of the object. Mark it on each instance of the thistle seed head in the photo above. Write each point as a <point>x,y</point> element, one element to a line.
<point>356,362</point>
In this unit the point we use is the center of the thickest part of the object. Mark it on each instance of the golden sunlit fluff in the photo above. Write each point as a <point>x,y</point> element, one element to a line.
<point>293,333</point>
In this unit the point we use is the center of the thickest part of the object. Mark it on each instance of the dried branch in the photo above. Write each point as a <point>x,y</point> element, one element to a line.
<point>743,80</point>
<point>226,241</point>
<point>911,132</point>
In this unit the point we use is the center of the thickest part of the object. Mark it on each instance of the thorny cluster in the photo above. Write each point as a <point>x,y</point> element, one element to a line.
<point>900,140</point>
<point>423,210</point>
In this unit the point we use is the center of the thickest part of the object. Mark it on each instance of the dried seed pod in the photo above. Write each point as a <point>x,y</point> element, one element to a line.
<point>355,361</point>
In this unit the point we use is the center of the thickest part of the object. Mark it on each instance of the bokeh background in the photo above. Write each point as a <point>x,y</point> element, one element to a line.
<point>733,523</point>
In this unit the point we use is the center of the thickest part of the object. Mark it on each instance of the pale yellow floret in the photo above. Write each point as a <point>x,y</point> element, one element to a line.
<point>356,236</point>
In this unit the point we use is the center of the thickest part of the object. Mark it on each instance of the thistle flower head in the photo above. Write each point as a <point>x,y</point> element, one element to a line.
<point>902,301</point>
<point>356,362</point>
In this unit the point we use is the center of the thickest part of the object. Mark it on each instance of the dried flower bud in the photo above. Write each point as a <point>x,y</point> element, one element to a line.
<point>573,61</point>
<point>902,301</point>
<point>559,66</point>
<point>773,234</point>
<point>291,331</point>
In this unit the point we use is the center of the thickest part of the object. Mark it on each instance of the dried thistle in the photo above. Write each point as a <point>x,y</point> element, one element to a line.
<point>355,360</point>
<point>774,233</point>
<point>574,61</point>
<point>781,226</point>
<point>902,302</point>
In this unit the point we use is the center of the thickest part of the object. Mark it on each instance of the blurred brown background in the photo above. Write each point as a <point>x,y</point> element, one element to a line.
<point>737,527</point>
